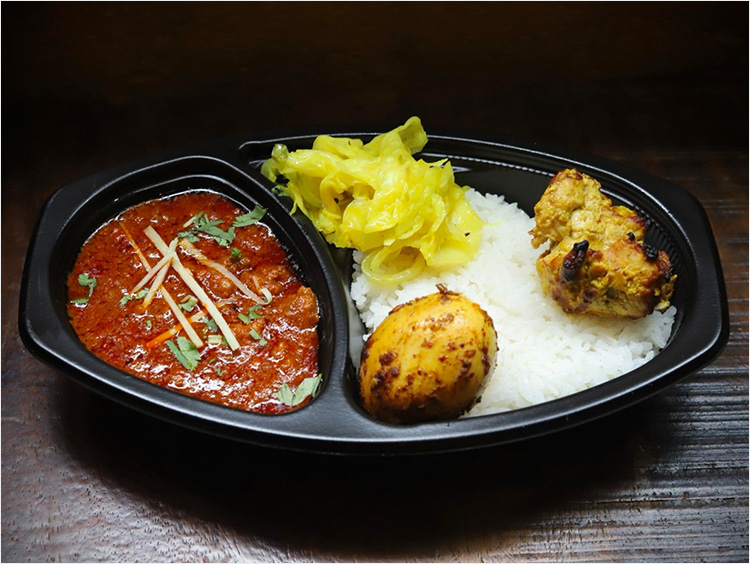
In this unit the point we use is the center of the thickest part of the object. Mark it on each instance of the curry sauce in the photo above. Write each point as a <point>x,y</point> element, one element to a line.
<point>259,354</point>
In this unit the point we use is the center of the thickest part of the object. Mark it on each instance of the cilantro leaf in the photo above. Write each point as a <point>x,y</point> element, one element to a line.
<point>252,313</point>
<point>250,218</point>
<point>186,352</point>
<point>188,235</point>
<point>80,301</point>
<point>86,280</point>
<point>190,221</point>
<point>210,324</point>
<point>188,304</point>
<point>285,395</point>
<point>307,388</point>
<point>235,253</point>
<point>201,223</point>
<point>255,335</point>
<point>223,238</point>
<point>127,297</point>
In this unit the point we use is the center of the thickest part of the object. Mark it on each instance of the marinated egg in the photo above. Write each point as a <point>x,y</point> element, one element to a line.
<point>428,360</point>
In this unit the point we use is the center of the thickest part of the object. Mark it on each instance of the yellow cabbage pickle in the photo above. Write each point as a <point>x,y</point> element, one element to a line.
<point>402,213</point>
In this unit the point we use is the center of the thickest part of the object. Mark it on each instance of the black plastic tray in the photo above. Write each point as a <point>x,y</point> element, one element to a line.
<point>334,422</point>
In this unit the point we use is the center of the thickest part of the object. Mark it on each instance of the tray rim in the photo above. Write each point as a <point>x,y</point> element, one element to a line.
<point>431,437</point>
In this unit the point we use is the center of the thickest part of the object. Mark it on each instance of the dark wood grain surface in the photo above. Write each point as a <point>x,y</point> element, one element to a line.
<point>660,87</point>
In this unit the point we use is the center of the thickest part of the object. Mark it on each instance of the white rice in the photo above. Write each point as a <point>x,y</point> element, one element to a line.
<point>543,353</point>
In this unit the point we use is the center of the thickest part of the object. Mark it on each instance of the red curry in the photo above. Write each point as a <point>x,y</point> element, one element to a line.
<point>277,342</point>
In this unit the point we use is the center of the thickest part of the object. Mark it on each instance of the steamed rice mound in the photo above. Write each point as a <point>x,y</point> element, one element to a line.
<point>543,353</point>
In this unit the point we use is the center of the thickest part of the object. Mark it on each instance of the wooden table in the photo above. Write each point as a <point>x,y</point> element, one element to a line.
<point>660,88</point>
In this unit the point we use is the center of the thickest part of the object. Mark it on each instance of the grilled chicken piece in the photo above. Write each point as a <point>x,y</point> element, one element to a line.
<point>597,261</point>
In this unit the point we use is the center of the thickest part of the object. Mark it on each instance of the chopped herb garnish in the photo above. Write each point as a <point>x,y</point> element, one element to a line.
<point>190,221</point>
<point>255,335</point>
<point>307,388</point>
<point>210,324</point>
<point>222,237</point>
<point>86,280</point>
<point>148,324</point>
<point>219,371</point>
<point>252,313</point>
<point>235,254</point>
<point>188,235</point>
<point>139,296</point>
<point>201,223</point>
<point>189,303</point>
<point>250,218</point>
<point>186,352</point>
<point>285,395</point>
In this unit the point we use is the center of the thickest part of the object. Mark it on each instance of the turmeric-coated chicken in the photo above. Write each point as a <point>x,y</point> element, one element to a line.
<point>597,262</point>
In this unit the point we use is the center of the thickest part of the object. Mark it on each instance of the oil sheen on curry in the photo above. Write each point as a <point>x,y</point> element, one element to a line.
<point>197,295</point>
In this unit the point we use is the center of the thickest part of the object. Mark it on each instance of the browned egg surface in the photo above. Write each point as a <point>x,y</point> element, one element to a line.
<point>278,344</point>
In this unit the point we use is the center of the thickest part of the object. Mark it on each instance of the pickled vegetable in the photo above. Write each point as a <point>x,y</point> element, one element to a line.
<point>403,213</point>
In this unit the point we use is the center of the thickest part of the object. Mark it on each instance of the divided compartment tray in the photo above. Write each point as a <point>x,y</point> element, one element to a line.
<point>334,422</point>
